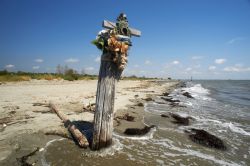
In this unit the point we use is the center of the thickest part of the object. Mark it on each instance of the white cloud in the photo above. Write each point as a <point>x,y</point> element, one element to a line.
<point>142,71</point>
<point>98,59</point>
<point>197,66</point>
<point>196,72</point>
<point>147,62</point>
<point>219,61</point>
<point>9,66</point>
<point>236,68</point>
<point>211,68</point>
<point>175,62</point>
<point>71,60</point>
<point>39,60</point>
<point>136,66</point>
<point>235,40</point>
<point>36,67</point>
<point>89,68</point>
<point>196,57</point>
<point>188,69</point>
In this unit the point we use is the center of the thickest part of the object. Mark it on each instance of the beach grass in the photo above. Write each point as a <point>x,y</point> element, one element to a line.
<point>70,75</point>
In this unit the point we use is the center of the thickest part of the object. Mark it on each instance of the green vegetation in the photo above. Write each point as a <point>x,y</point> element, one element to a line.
<point>69,75</point>
<point>62,73</point>
<point>133,77</point>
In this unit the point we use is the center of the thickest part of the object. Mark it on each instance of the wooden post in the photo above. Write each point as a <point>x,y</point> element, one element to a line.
<point>113,61</point>
<point>103,119</point>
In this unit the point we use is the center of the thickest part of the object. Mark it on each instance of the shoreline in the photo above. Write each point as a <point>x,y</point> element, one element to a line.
<point>25,112</point>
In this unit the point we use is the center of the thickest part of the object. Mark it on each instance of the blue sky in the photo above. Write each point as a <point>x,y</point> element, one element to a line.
<point>206,39</point>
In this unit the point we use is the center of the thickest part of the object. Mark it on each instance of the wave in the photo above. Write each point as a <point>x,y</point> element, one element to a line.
<point>197,91</point>
<point>228,125</point>
<point>109,151</point>
<point>189,152</point>
<point>43,159</point>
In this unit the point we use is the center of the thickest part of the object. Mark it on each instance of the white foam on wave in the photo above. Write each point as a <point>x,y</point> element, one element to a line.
<point>228,125</point>
<point>235,129</point>
<point>147,136</point>
<point>188,152</point>
<point>43,160</point>
<point>197,91</point>
<point>109,151</point>
<point>197,88</point>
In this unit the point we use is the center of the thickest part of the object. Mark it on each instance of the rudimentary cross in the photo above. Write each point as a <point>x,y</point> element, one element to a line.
<point>114,42</point>
<point>111,25</point>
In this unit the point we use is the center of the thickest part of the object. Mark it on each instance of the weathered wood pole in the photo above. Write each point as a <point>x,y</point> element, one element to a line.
<point>114,42</point>
<point>105,95</point>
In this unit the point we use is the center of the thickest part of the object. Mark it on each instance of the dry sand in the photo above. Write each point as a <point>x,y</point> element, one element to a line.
<point>25,116</point>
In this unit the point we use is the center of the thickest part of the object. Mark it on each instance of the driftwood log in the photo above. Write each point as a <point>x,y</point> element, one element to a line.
<point>78,136</point>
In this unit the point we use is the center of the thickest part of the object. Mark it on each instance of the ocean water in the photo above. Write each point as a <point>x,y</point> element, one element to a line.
<point>219,107</point>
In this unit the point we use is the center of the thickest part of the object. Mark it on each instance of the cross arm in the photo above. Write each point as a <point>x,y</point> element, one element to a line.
<point>111,25</point>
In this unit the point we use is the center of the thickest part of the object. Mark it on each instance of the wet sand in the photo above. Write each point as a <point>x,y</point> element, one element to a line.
<point>27,125</point>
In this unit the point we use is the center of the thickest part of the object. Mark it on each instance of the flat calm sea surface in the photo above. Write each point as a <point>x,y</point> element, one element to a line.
<point>220,107</point>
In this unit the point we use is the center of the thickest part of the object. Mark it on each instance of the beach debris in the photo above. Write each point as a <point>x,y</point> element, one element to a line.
<point>137,131</point>
<point>89,108</point>
<point>41,149</point>
<point>126,117</point>
<point>188,95</point>
<point>140,104</point>
<point>41,104</point>
<point>13,108</point>
<point>176,105</point>
<point>79,137</point>
<point>12,112</point>
<point>23,159</point>
<point>165,94</point>
<point>180,120</point>
<point>58,133</point>
<point>42,111</point>
<point>5,120</point>
<point>164,116</point>
<point>158,102</point>
<point>170,99</point>
<point>148,99</point>
<point>206,139</point>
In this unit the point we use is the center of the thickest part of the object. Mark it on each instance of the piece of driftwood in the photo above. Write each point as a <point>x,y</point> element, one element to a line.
<point>79,137</point>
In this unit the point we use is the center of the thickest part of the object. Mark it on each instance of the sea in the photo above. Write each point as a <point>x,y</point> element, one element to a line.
<point>220,107</point>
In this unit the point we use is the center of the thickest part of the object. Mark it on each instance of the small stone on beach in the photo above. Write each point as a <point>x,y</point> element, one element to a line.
<point>140,104</point>
<point>137,131</point>
<point>187,94</point>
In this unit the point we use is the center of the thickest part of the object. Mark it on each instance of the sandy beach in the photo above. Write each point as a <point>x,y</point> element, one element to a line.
<point>27,122</point>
